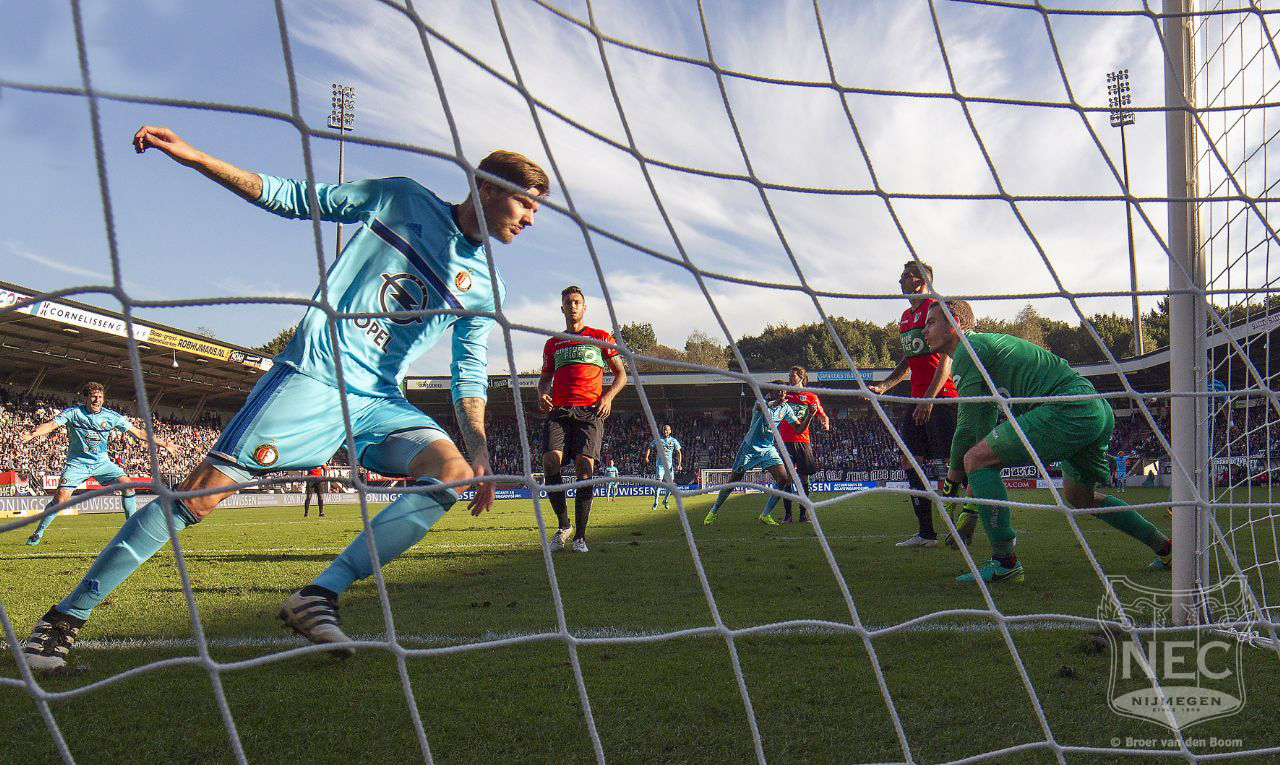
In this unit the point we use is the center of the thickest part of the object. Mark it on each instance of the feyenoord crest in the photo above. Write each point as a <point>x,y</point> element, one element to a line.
<point>1198,670</point>
<point>266,455</point>
<point>403,292</point>
<point>462,281</point>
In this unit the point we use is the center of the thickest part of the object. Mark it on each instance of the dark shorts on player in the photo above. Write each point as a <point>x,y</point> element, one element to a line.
<point>932,440</point>
<point>573,431</point>
<point>1076,432</point>
<point>802,457</point>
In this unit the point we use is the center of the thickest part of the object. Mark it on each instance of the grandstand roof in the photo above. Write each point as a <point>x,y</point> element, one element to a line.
<point>60,343</point>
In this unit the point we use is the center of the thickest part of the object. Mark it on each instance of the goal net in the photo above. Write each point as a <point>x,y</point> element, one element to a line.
<point>1237,78</point>
<point>727,174</point>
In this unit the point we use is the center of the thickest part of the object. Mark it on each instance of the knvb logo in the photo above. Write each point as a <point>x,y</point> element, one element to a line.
<point>1197,674</point>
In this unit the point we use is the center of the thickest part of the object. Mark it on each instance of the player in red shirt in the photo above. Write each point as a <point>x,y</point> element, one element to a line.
<point>796,437</point>
<point>571,391</point>
<point>315,486</point>
<point>925,429</point>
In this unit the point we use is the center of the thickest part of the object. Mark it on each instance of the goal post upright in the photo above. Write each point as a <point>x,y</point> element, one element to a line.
<point>1188,429</point>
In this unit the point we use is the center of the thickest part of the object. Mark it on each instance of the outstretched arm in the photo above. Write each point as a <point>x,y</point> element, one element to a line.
<point>245,184</point>
<point>896,376</point>
<point>163,443</point>
<point>40,432</point>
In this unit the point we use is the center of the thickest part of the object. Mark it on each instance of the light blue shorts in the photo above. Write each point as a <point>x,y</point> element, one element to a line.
<point>750,458</point>
<point>291,421</point>
<point>665,474</point>
<point>77,472</point>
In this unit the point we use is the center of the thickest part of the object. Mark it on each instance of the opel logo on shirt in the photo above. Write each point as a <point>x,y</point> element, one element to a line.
<point>403,292</point>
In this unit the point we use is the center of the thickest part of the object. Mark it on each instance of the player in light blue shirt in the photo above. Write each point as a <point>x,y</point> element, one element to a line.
<point>611,488</point>
<point>1122,471</point>
<point>418,264</point>
<point>89,427</point>
<point>662,449</point>
<point>759,452</point>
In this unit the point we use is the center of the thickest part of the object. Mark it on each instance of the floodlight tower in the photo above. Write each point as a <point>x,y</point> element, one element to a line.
<point>342,119</point>
<point>1118,99</point>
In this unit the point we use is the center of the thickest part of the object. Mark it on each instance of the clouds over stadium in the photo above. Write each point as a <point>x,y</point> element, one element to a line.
<point>919,145</point>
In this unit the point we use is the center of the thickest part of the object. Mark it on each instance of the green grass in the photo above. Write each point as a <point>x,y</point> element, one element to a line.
<point>953,681</point>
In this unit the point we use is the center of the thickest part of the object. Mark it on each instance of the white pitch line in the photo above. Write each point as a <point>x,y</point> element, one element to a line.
<point>429,546</point>
<point>428,640</point>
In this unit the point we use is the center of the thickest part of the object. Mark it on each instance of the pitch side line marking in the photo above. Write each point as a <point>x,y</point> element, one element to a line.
<point>433,640</point>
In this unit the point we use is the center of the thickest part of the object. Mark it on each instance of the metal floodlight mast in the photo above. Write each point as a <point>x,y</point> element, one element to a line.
<point>1119,99</point>
<point>342,119</point>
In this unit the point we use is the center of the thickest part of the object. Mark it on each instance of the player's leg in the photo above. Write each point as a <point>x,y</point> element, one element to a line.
<point>794,452</point>
<point>586,436</point>
<point>60,496</point>
<point>554,441</point>
<point>306,497</point>
<point>319,489</point>
<point>916,437</point>
<point>806,466</point>
<point>428,457</point>
<point>666,473</point>
<point>584,466</point>
<point>982,465</point>
<point>141,536</point>
<point>1087,467</point>
<point>111,473</point>
<point>281,403</point>
<point>737,475</point>
<point>783,483</point>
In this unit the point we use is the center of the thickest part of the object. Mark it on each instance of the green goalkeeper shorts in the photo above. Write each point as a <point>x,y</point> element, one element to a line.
<point>1076,432</point>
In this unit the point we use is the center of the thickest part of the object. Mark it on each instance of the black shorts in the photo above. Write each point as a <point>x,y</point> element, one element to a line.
<point>802,458</point>
<point>932,440</point>
<point>574,431</point>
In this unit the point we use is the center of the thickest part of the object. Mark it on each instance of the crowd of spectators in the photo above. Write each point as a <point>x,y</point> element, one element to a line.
<point>709,440</point>
<point>33,461</point>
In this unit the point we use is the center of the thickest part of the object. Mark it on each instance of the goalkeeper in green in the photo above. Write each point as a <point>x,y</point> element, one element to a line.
<point>1077,432</point>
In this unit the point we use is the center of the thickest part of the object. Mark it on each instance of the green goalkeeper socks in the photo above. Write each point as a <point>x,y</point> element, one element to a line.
<point>1133,524</point>
<point>996,521</point>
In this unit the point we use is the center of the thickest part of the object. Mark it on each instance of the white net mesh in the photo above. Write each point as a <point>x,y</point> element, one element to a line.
<point>986,209</point>
<point>1236,79</point>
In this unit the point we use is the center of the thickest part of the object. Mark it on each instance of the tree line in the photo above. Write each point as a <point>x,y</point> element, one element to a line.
<point>872,345</point>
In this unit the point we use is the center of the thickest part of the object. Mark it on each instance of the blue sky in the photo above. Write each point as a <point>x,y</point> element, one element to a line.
<point>181,237</point>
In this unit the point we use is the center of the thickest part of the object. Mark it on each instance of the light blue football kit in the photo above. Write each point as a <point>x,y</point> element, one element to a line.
<point>410,255</point>
<point>664,449</point>
<point>611,488</point>
<point>87,437</point>
<point>758,450</point>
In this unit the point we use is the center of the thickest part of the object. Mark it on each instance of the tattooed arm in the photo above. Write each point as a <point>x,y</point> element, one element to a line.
<point>245,184</point>
<point>470,414</point>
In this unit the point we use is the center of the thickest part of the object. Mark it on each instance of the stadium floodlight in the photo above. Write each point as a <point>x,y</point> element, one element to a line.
<point>342,119</point>
<point>1119,99</point>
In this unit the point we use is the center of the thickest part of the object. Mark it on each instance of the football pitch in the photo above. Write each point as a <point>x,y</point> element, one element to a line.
<point>953,681</point>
